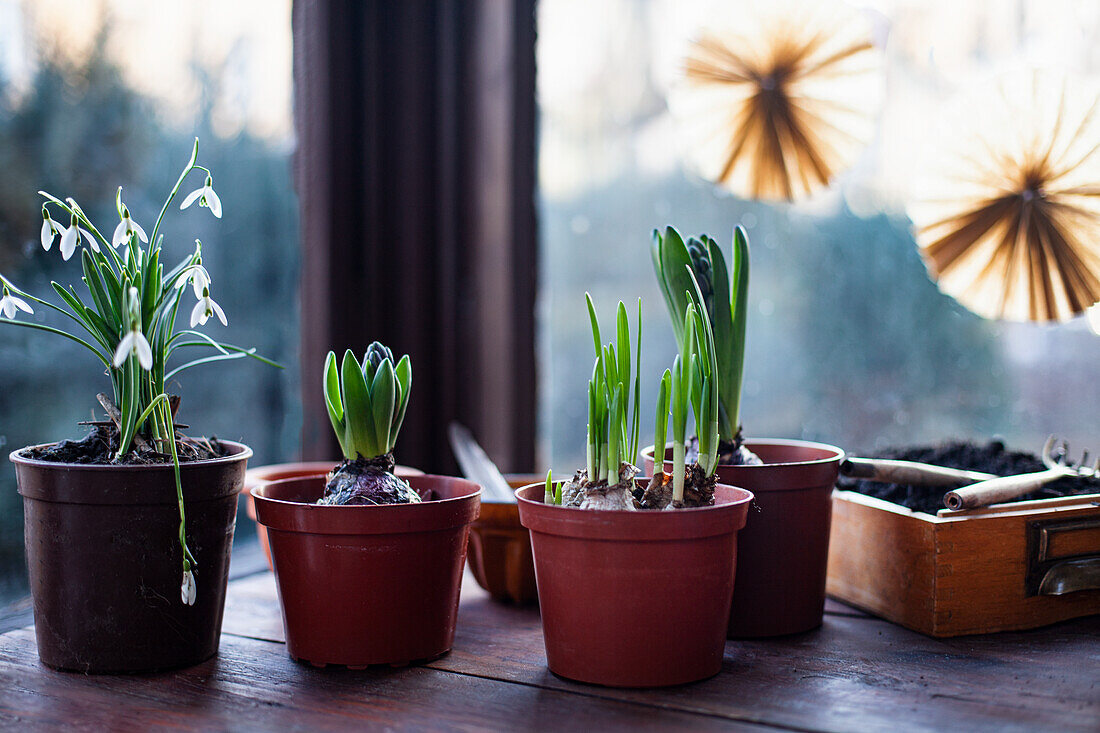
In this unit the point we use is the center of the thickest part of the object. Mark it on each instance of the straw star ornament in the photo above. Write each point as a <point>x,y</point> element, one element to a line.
<point>1008,213</point>
<point>776,103</point>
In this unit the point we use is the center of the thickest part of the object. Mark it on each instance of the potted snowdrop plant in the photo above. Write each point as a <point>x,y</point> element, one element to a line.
<point>368,563</point>
<point>128,530</point>
<point>782,553</point>
<point>635,577</point>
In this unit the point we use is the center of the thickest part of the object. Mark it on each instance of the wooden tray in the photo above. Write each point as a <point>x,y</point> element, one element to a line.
<point>1008,566</point>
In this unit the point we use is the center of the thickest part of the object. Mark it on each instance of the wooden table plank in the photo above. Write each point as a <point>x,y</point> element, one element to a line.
<point>856,672</point>
<point>253,685</point>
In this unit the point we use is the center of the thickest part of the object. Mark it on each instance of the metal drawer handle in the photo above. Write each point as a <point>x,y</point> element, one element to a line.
<point>1071,576</point>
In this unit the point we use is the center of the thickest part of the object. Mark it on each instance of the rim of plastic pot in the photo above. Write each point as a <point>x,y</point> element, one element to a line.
<point>797,475</point>
<point>728,514</point>
<point>263,474</point>
<point>835,453</point>
<point>286,505</point>
<point>57,487</point>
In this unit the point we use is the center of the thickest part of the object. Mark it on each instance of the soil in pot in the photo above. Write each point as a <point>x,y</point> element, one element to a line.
<point>361,585</point>
<point>105,563</point>
<point>992,457</point>
<point>99,446</point>
<point>634,598</point>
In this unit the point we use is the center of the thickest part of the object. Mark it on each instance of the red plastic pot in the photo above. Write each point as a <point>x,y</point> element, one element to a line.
<point>278,471</point>
<point>783,553</point>
<point>105,562</point>
<point>634,599</point>
<point>363,585</point>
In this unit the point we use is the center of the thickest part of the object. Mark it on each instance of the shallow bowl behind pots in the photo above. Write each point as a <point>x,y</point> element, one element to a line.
<point>363,585</point>
<point>500,550</point>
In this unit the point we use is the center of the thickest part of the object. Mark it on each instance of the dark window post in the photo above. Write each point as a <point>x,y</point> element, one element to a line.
<point>416,180</point>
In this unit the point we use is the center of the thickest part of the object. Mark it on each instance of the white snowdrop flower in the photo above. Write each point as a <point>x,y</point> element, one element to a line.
<point>126,229</point>
<point>204,309</point>
<point>134,343</point>
<point>198,277</point>
<point>206,197</point>
<point>188,590</point>
<point>9,303</point>
<point>71,237</point>
<point>50,229</point>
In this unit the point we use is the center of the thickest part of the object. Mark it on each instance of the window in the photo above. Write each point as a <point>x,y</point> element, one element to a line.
<point>849,341</point>
<point>103,94</point>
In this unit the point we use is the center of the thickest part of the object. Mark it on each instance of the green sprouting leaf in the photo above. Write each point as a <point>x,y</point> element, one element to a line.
<point>622,343</point>
<point>614,458</point>
<point>595,323</point>
<point>383,401</point>
<point>334,401</point>
<point>739,295</point>
<point>678,401</point>
<point>635,430</point>
<point>403,372</point>
<point>358,415</point>
<point>592,449</point>
<point>674,259</point>
<point>548,491</point>
<point>611,366</point>
<point>660,433</point>
<point>695,386</point>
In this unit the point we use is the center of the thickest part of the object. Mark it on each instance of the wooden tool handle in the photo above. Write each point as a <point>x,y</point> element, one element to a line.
<point>909,472</point>
<point>998,489</point>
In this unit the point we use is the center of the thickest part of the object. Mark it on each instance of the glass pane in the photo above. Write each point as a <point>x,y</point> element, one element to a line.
<point>849,341</point>
<point>97,95</point>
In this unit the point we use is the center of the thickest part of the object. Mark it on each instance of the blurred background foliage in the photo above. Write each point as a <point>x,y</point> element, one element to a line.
<point>77,128</point>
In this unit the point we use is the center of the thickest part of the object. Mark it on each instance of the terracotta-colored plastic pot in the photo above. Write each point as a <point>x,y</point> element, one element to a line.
<point>635,599</point>
<point>106,565</point>
<point>277,471</point>
<point>500,550</point>
<point>363,585</point>
<point>783,552</point>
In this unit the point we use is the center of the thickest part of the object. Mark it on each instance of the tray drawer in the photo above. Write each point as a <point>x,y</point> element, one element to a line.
<point>1012,566</point>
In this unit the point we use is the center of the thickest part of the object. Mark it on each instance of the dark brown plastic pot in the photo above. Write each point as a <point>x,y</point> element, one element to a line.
<point>363,585</point>
<point>635,599</point>
<point>783,552</point>
<point>278,471</point>
<point>106,565</point>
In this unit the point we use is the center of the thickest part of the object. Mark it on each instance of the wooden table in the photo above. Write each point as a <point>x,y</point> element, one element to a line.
<point>855,673</point>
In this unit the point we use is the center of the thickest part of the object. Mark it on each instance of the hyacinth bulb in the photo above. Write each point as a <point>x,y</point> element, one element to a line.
<point>1007,212</point>
<point>776,98</point>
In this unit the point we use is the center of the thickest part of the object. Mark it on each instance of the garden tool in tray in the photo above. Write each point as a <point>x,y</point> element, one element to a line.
<point>984,488</point>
